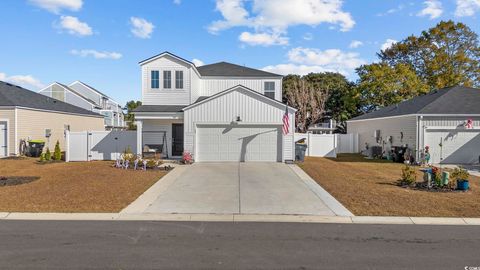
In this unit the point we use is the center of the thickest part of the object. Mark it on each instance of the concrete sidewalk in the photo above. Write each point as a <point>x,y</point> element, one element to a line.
<point>240,218</point>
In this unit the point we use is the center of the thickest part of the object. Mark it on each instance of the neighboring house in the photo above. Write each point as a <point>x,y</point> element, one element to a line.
<point>26,115</point>
<point>89,98</point>
<point>217,112</point>
<point>328,126</point>
<point>445,120</point>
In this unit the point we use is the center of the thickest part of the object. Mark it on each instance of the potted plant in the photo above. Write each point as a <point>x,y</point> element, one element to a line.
<point>461,176</point>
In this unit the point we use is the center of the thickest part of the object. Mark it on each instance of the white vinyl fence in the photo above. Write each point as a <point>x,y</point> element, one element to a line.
<point>328,145</point>
<point>99,145</point>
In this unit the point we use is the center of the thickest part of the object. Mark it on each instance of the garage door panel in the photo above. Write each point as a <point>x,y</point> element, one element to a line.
<point>458,147</point>
<point>238,143</point>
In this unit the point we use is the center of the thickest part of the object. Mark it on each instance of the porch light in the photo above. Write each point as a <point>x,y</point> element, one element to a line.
<point>239,119</point>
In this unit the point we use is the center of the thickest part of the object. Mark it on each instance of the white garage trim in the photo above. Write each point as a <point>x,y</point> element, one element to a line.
<point>7,139</point>
<point>459,146</point>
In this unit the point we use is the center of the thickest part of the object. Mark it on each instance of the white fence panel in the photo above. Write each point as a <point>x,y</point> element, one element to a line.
<point>328,145</point>
<point>347,143</point>
<point>99,145</point>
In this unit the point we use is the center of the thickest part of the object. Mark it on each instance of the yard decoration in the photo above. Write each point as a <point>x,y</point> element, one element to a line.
<point>187,158</point>
<point>461,176</point>
<point>57,154</point>
<point>469,124</point>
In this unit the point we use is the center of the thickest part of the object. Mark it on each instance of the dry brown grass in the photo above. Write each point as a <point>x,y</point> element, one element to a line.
<point>367,187</point>
<point>72,187</point>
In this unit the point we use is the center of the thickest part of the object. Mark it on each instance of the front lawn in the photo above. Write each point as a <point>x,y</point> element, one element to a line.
<point>71,187</point>
<point>368,187</point>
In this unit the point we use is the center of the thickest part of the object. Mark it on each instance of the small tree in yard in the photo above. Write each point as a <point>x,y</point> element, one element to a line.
<point>57,154</point>
<point>48,155</point>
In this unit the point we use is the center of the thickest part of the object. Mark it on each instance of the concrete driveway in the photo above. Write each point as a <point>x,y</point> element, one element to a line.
<point>234,188</point>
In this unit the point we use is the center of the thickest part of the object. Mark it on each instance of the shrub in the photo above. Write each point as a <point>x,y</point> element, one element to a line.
<point>42,157</point>
<point>409,176</point>
<point>48,155</point>
<point>187,158</point>
<point>57,153</point>
<point>460,174</point>
<point>152,163</point>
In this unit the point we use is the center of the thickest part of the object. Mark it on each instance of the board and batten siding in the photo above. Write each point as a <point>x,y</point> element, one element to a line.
<point>8,115</point>
<point>239,102</point>
<point>171,96</point>
<point>449,121</point>
<point>213,85</point>
<point>31,124</point>
<point>392,126</point>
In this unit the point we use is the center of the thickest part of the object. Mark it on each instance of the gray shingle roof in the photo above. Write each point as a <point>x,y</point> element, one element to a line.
<point>224,69</point>
<point>12,95</point>
<point>450,100</point>
<point>165,108</point>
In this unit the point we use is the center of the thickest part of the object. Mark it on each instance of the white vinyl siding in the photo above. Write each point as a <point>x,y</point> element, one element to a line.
<point>243,103</point>
<point>395,127</point>
<point>163,96</point>
<point>62,94</point>
<point>211,86</point>
<point>7,116</point>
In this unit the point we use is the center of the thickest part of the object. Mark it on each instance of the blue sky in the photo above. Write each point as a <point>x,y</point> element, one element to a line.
<point>101,42</point>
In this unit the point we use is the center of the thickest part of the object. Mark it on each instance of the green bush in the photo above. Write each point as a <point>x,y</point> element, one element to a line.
<point>42,157</point>
<point>460,174</point>
<point>409,176</point>
<point>57,154</point>
<point>48,155</point>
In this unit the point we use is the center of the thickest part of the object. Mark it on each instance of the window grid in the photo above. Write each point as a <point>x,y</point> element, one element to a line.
<point>179,79</point>
<point>155,79</point>
<point>269,89</point>
<point>167,79</point>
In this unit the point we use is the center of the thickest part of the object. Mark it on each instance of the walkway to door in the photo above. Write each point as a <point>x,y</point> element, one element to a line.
<point>234,188</point>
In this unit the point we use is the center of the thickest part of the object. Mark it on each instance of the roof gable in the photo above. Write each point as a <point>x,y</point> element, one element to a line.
<point>224,69</point>
<point>66,88</point>
<point>90,88</point>
<point>239,88</point>
<point>16,96</point>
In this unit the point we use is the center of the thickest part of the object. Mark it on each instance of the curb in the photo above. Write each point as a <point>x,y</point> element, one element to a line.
<point>235,218</point>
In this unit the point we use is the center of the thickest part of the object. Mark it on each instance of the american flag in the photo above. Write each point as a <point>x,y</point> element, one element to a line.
<point>286,121</point>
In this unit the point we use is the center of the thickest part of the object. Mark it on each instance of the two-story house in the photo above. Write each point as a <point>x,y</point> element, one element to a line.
<point>85,96</point>
<point>216,112</point>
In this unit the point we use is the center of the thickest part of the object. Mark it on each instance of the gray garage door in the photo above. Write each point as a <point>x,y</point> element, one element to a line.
<point>239,143</point>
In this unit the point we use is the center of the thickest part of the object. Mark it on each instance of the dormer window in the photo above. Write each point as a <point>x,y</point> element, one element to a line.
<point>269,89</point>
<point>155,79</point>
<point>167,79</point>
<point>179,79</point>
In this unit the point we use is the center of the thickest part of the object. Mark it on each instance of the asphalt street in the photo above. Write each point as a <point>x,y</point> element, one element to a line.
<point>217,245</point>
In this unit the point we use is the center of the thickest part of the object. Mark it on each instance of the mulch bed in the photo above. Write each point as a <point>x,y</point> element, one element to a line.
<point>16,180</point>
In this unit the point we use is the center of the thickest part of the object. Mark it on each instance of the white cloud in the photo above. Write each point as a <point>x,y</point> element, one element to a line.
<point>177,2</point>
<point>141,28</point>
<point>25,81</point>
<point>467,8</point>
<point>55,6</point>
<point>308,36</point>
<point>197,62</point>
<point>433,9</point>
<point>274,17</point>
<point>74,26</point>
<point>305,60</point>
<point>388,43</point>
<point>355,44</point>
<point>392,10</point>
<point>96,54</point>
<point>262,39</point>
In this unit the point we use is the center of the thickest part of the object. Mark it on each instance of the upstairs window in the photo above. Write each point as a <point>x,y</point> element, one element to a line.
<point>269,89</point>
<point>167,79</point>
<point>155,79</point>
<point>179,79</point>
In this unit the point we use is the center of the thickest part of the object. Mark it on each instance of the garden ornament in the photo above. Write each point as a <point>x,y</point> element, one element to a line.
<point>145,165</point>
<point>125,165</point>
<point>135,164</point>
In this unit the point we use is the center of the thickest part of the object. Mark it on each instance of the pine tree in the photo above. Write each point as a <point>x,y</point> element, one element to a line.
<point>57,154</point>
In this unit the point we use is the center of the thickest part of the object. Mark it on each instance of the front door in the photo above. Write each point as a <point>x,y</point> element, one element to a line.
<point>177,139</point>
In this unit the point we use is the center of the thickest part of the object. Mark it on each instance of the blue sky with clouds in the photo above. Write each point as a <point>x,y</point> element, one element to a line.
<point>101,42</point>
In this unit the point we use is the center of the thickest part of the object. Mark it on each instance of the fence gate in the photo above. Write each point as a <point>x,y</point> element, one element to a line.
<point>99,145</point>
